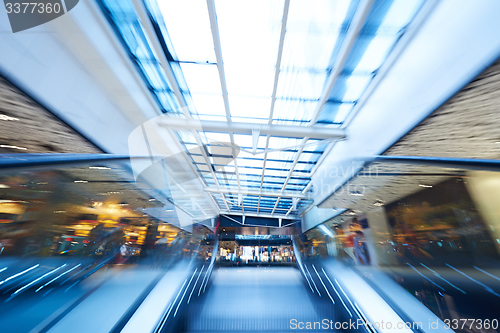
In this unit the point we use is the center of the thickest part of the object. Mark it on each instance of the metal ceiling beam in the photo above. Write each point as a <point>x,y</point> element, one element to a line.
<point>145,19</point>
<point>256,193</point>
<point>214,26</point>
<point>280,55</point>
<point>284,21</point>
<point>355,28</point>
<point>276,205</point>
<point>298,199</point>
<point>288,131</point>
<point>410,31</point>
<point>259,215</point>
<point>281,210</point>
<point>143,15</point>
<point>351,36</point>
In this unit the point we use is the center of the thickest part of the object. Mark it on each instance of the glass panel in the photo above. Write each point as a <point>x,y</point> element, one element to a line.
<point>202,78</point>
<point>198,159</point>
<point>253,178</point>
<point>243,140</point>
<point>298,110</point>
<point>227,169</point>
<point>297,84</point>
<point>317,145</point>
<point>277,143</point>
<point>208,104</point>
<point>278,165</point>
<point>368,54</point>
<point>335,113</point>
<point>250,163</point>
<point>282,173</point>
<point>188,27</point>
<point>400,13</point>
<point>309,157</point>
<point>250,120</point>
<point>168,101</point>
<point>250,107</point>
<point>218,137</point>
<point>297,188</point>
<point>281,155</point>
<point>187,137</point>
<point>312,32</point>
<point>303,167</point>
<point>250,171</point>
<point>77,229</point>
<point>349,88</point>
<point>137,42</point>
<point>153,76</point>
<point>249,35</point>
<point>214,118</point>
<point>440,242</point>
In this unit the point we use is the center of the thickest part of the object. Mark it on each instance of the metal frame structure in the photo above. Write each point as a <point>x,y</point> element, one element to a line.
<point>249,185</point>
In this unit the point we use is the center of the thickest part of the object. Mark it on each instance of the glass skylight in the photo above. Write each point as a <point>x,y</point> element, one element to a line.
<point>209,104</point>
<point>202,78</point>
<point>350,88</point>
<point>188,27</point>
<point>249,36</point>
<point>250,107</point>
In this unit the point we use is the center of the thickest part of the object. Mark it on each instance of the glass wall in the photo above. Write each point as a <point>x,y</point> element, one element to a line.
<point>68,232</point>
<point>432,230</point>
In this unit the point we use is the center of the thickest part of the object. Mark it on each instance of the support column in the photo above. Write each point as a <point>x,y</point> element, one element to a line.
<point>381,236</point>
<point>484,189</point>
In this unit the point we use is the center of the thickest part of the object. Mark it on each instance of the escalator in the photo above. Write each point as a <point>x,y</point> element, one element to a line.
<point>251,299</point>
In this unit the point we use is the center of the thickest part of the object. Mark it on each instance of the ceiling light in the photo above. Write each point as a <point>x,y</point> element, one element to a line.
<point>4,186</point>
<point>6,117</point>
<point>169,210</point>
<point>152,199</point>
<point>426,186</point>
<point>378,203</point>
<point>99,168</point>
<point>81,181</point>
<point>12,147</point>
